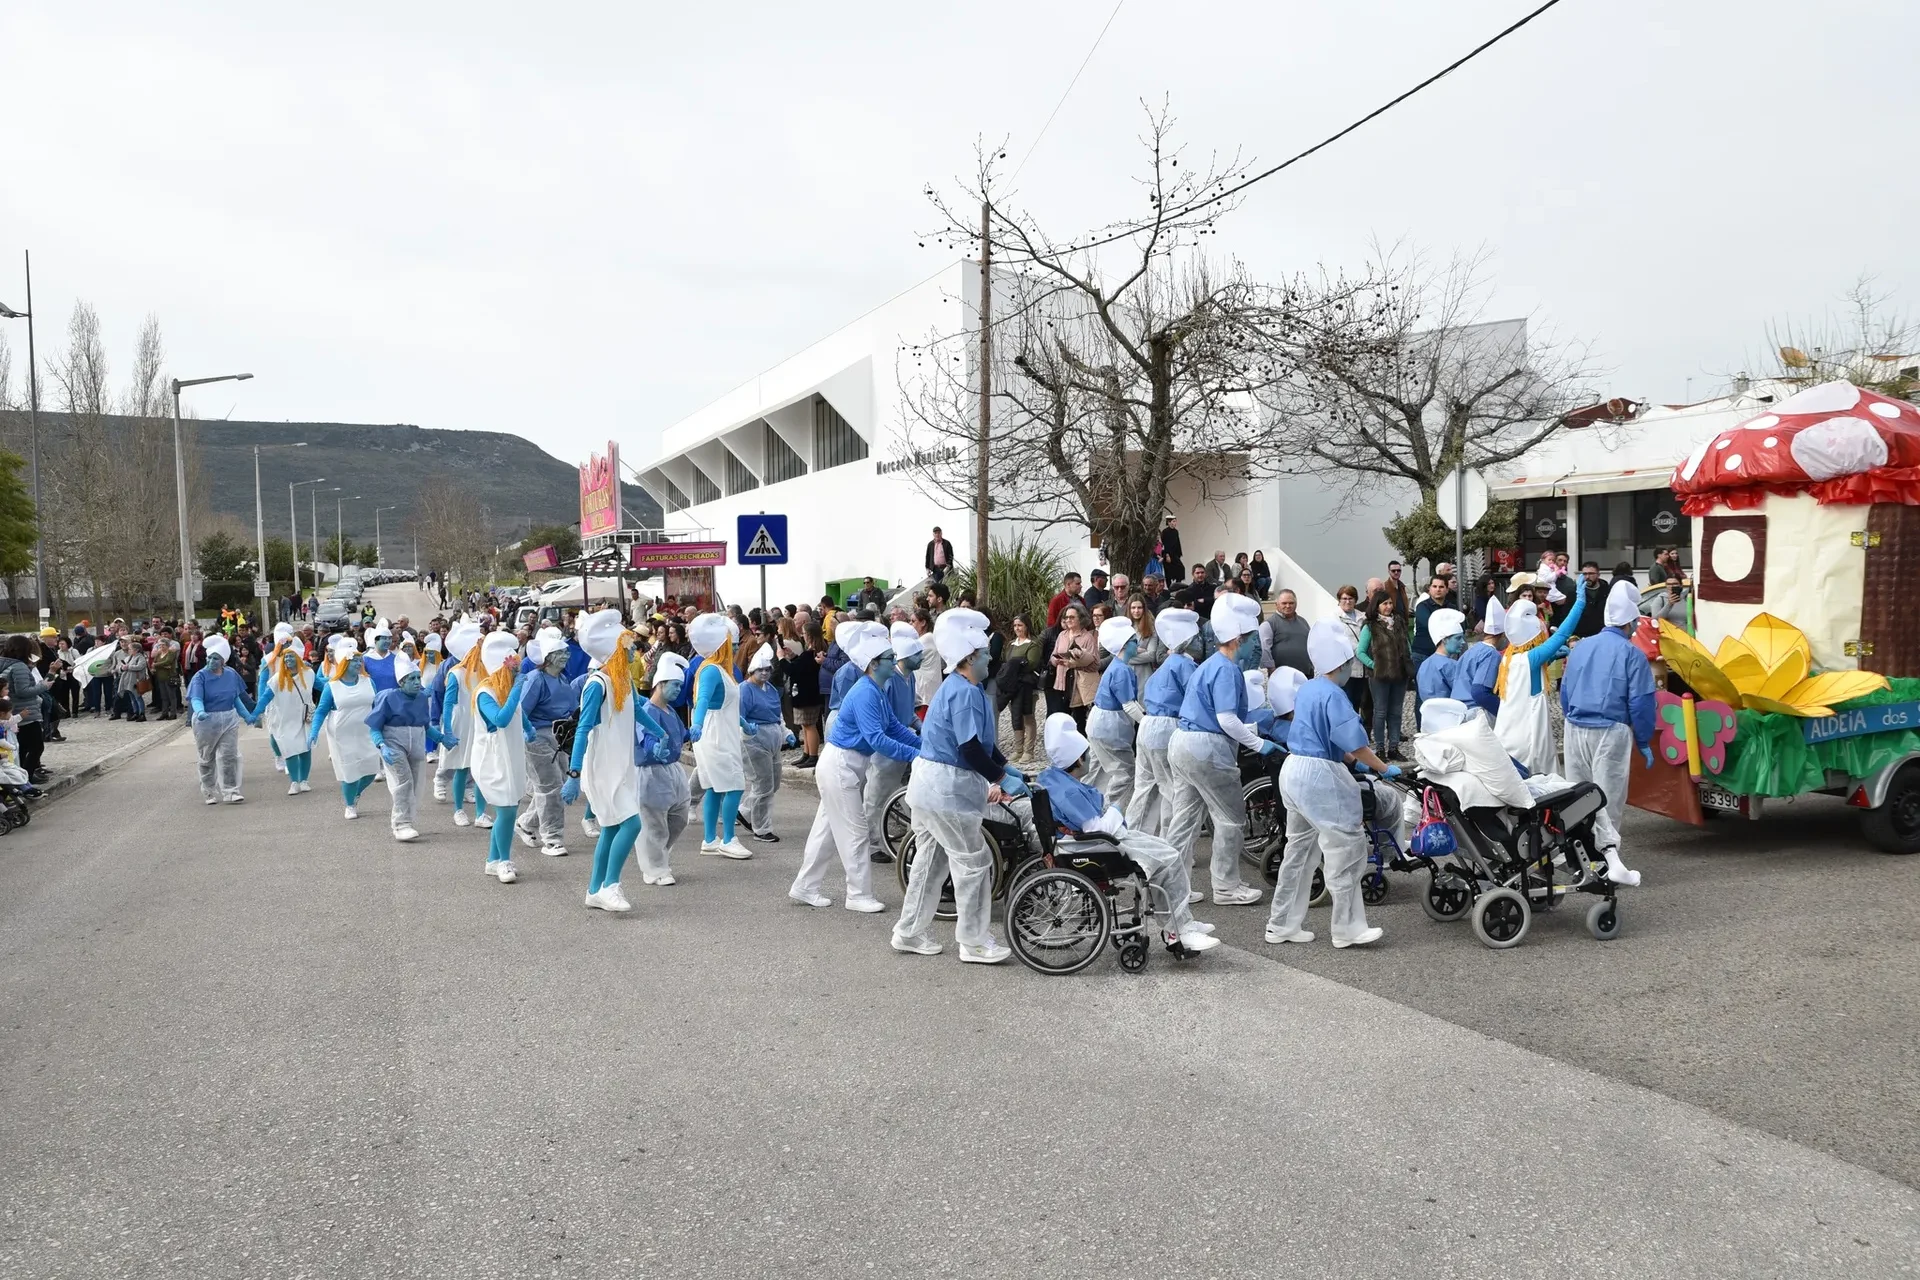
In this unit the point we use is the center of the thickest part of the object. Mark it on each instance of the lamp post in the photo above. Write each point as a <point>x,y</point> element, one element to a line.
<point>260,519</point>
<point>293,527</point>
<point>33,436</point>
<point>379,555</point>
<point>339,538</point>
<point>313,514</point>
<point>180,487</point>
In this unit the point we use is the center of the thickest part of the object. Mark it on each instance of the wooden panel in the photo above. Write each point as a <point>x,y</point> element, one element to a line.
<point>1665,789</point>
<point>1750,589</point>
<point>1887,600</point>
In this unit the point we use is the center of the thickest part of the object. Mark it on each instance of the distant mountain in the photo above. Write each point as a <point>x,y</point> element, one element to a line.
<point>519,484</point>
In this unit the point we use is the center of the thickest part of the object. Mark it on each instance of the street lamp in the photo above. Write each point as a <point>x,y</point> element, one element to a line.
<point>180,487</point>
<point>313,519</point>
<point>293,526</point>
<point>339,538</point>
<point>379,557</point>
<point>260,519</point>
<point>33,434</point>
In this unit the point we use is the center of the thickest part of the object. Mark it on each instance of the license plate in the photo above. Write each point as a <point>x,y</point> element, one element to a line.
<point>1721,801</point>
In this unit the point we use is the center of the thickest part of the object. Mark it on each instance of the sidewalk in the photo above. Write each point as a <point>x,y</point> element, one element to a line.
<point>96,744</point>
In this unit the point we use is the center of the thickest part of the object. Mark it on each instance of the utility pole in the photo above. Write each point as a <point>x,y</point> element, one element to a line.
<point>981,524</point>
<point>33,436</point>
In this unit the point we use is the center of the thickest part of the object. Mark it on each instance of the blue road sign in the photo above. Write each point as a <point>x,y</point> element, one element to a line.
<point>762,539</point>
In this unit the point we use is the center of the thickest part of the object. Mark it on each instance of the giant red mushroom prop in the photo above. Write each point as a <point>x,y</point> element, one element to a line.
<point>1837,442</point>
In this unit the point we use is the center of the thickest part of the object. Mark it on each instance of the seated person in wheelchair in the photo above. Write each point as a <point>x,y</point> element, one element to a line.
<point>1085,812</point>
<point>1273,714</point>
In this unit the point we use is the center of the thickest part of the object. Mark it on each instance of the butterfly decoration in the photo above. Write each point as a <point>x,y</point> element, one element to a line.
<point>1713,720</point>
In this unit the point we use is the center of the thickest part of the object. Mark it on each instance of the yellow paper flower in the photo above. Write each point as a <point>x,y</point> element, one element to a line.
<point>1767,668</point>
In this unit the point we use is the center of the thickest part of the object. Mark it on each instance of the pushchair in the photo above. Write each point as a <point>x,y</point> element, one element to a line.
<point>14,810</point>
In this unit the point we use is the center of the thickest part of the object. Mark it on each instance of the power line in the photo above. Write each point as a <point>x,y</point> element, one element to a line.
<point>1035,145</point>
<point>1381,110</point>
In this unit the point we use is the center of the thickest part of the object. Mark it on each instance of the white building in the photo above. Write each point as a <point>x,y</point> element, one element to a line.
<point>820,438</point>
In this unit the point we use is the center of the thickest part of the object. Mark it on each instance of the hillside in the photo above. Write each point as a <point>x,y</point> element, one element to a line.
<point>519,484</point>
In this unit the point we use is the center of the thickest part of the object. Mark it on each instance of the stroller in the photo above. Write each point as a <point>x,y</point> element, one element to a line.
<point>14,811</point>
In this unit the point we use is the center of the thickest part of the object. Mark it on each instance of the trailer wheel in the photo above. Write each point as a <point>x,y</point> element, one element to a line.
<point>1894,827</point>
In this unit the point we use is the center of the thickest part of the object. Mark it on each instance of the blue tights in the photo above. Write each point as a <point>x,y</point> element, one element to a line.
<point>300,767</point>
<point>500,848</point>
<point>610,853</point>
<point>350,791</point>
<point>720,808</point>
<point>461,777</point>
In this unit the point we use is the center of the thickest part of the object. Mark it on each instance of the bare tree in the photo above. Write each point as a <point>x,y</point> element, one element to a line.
<point>1868,342</point>
<point>145,516</point>
<point>1126,360</point>
<point>455,536</point>
<point>79,482</point>
<point>1422,383</point>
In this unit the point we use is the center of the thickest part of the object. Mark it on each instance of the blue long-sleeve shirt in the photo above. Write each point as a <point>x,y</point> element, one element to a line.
<point>1118,687</point>
<point>652,726</point>
<point>1074,803</point>
<point>759,704</point>
<point>546,699</point>
<point>711,693</point>
<point>437,689</point>
<point>496,714</point>
<point>400,709</point>
<point>1609,681</point>
<point>1167,687</point>
<point>208,693</point>
<point>1216,687</point>
<point>866,724</point>
<point>1436,675</point>
<point>379,669</point>
<point>1473,678</point>
<point>1325,725</point>
<point>843,681</point>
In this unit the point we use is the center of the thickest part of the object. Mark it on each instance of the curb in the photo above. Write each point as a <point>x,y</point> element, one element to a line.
<point>112,760</point>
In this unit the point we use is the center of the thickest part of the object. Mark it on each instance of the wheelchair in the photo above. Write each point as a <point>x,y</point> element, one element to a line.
<point>1006,838</point>
<point>1266,844</point>
<point>1077,895</point>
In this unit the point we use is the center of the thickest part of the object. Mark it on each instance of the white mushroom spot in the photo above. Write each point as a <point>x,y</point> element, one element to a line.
<point>1732,463</point>
<point>1762,422</point>
<point>1732,555</point>
<point>1770,442</point>
<point>1723,442</point>
<point>1694,460</point>
<point>1839,447</point>
<point>1885,410</point>
<point>1828,397</point>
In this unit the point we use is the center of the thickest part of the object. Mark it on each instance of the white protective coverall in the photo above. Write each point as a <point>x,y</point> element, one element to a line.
<point>1206,764</point>
<point>1110,733</point>
<point>1153,782</point>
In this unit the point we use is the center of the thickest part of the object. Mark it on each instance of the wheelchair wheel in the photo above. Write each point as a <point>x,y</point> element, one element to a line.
<point>1603,920</point>
<point>1321,895</point>
<point>896,826</point>
<point>6,822</point>
<point>22,813</point>
<point>1266,828</point>
<point>1057,921</point>
<point>1133,957</point>
<point>903,871</point>
<point>1448,897</point>
<point>1373,887</point>
<point>1501,917</point>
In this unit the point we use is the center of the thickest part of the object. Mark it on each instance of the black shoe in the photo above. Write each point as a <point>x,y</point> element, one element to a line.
<point>56,737</point>
<point>880,856</point>
<point>39,776</point>
<point>806,762</point>
<point>764,837</point>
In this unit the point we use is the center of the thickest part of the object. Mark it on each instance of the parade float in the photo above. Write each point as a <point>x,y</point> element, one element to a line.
<point>1801,673</point>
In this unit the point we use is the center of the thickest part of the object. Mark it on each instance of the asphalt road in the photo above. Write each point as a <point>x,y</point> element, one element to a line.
<point>258,1041</point>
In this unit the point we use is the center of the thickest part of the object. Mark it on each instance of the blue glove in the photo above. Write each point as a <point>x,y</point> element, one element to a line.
<point>663,752</point>
<point>1268,747</point>
<point>693,732</point>
<point>1393,771</point>
<point>1646,753</point>
<point>448,740</point>
<point>390,755</point>
<point>748,727</point>
<point>793,739</point>
<point>1014,785</point>
<point>569,791</point>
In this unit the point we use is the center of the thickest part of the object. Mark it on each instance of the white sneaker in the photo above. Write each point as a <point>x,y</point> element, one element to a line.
<point>213,799</point>
<point>992,953</point>
<point>440,792</point>
<point>1195,940</point>
<point>405,834</point>
<point>710,847</point>
<point>528,837</point>
<point>664,879</point>
<point>920,946</point>
<point>279,765</point>
<point>606,899</point>
<point>554,850</point>
<point>865,905</point>
<point>1238,896</point>
<point>1275,936</point>
<point>589,828</point>
<point>733,849</point>
<point>235,798</point>
<point>352,813</point>
<point>811,899</point>
<point>613,894</point>
<point>504,870</point>
<point>1373,934</point>
<point>461,818</point>
<point>1194,895</point>
<point>484,822</point>
<point>305,787</point>
<point>293,788</point>
<point>1201,925</point>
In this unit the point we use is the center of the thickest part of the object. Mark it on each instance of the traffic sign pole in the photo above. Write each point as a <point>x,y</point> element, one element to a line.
<point>763,589</point>
<point>1459,534</point>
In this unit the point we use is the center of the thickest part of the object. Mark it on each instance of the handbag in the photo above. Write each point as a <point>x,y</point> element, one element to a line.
<point>1433,838</point>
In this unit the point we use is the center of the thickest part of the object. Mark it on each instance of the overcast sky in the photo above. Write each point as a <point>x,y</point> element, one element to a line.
<point>576,220</point>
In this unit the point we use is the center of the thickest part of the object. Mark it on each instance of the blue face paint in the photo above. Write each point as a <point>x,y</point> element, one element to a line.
<point>410,684</point>
<point>1131,650</point>
<point>670,691</point>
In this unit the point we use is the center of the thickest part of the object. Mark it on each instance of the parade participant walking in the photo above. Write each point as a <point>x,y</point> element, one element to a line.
<point>719,737</point>
<point>461,678</point>
<point>434,673</point>
<point>399,729</point>
<point>1446,631</point>
<point>548,698</point>
<point>344,704</point>
<point>1154,786</point>
<point>664,795</point>
<point>760,708</point>
<point>959,772</point>
<point>1082,808</point>
<point>1479,667</point>
<point>884,773</point>
<point>499,758</point>
<point>866,724</point>
<point>378,659</point>
<point>1523,723</point>
<point>284,703</point>
<point>602,766</point>
<point>1203,757</point>
<point>1116,711</point>
<point>1324,819</point>
<point>218,697</point>
<point>1607,696</point>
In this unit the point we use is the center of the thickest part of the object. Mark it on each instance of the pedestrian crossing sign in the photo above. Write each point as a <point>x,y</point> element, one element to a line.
<point>762,539</point>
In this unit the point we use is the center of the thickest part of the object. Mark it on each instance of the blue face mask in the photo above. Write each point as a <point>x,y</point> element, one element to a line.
<point>913,661</point>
